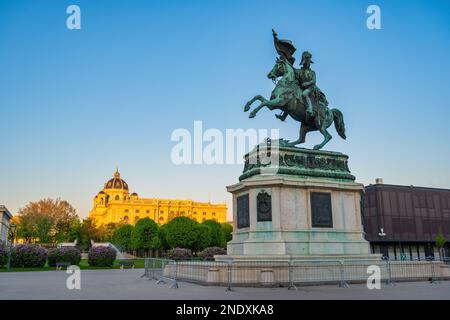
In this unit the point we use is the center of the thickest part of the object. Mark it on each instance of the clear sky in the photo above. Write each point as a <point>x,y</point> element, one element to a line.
<point>74,104</point>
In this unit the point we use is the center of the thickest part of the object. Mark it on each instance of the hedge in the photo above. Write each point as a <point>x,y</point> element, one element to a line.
<point>64,254</point>
<point>209,253</point>
<point>3,255</point>
<point>101,256</point>
<point>179,254</point>
<point>28,256</point>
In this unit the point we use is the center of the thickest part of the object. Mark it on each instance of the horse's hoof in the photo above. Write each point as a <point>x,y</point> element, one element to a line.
<point>247,107</point>
<point>252,115</point>
<point>317,147</point>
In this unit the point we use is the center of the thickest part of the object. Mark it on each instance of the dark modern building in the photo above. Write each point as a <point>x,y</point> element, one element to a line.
<point>402,222</point>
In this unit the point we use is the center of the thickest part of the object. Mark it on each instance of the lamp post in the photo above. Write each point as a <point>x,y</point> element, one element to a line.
<point>382,234</point>
<point>12,231</point>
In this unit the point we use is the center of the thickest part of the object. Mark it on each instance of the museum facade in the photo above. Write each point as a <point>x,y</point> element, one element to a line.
<point>114,204</point>
<point>401,222</point>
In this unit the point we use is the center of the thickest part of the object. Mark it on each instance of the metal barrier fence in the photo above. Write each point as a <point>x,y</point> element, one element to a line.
<point>293,273</point>
<point>154,270</point>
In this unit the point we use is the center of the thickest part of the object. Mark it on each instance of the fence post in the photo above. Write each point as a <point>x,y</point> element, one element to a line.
<point>175,283</point>
<point>160,279</point>
<point>153,268</point>
<point>342,283</point>
<point>229,264</point>
<point>390,282</point>
<point>291,278</point>
<point>433,274</point>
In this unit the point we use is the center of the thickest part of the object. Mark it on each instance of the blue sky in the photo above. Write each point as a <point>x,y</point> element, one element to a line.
<point>74,104</point>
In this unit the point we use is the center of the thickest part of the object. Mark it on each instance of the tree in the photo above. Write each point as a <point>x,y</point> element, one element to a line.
<point>227,229</point>
<point>143,233</point>
<point>217,235</point>
<point>44,230</point>
<point>162,237</point>
<point>106,232</point>
<point>74,230</point>
<point>25,230</point>
<point>440,242</point>
<point>181,233</point>
<point>46,220</point>
<point>87,231</point>
<point>122,237</point>
<point>203,235</point>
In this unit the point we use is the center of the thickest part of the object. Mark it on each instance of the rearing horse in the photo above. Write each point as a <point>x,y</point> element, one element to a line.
<point>287,97</point>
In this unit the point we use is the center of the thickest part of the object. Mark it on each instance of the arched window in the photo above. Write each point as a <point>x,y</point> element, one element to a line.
<point>117,197</point>
<point>136,219</point>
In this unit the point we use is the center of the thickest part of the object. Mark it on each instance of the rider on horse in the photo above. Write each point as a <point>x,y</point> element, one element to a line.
<point>307,81</point>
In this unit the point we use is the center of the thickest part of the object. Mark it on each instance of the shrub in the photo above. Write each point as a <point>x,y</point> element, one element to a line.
<point>101,256</point>
<point>209,253</point>
<point>64,254</point>
<point>179,254</point>
<point>28,256</point>
<point>3,254</point>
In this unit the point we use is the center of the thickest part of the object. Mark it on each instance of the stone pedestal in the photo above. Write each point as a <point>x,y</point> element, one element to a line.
<point>302,204</point>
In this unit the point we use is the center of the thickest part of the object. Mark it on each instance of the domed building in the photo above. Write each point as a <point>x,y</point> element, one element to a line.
<point>114,204</point>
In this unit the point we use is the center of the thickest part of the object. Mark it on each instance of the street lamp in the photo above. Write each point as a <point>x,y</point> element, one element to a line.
<point>12,230</point>
<point>382,234</point>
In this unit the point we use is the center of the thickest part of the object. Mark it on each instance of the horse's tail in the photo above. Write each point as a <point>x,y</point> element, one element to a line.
<point>339,122</point>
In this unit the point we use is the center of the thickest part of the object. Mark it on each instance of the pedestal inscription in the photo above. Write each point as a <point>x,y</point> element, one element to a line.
<point>321,210</point>
<point>243,220</point>
<point>264,206</point>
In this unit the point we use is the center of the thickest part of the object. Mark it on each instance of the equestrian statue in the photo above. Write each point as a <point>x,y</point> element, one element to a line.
<point>297,95</point>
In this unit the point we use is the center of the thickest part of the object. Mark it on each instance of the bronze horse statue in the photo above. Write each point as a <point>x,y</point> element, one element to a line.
<point>287,97</point>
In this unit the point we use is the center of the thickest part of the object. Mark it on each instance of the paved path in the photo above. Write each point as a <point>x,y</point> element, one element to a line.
<point>127,284</point>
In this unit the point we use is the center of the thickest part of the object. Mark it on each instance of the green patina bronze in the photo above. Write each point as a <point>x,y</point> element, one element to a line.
<point>297,95</point>
<point>296,161</point>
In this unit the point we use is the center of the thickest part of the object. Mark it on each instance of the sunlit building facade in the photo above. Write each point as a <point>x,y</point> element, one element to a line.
<point>114,204</point>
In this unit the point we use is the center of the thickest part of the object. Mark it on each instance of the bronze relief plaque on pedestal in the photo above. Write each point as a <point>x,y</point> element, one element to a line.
<point>243,220</point>
<point>321,210</point>
<point>264,206</point>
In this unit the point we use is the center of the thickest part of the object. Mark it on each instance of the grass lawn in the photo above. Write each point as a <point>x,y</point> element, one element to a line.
<point>138,263</point>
